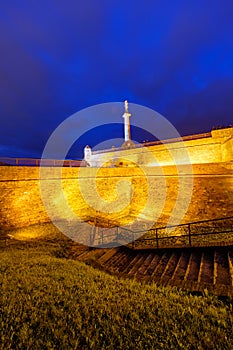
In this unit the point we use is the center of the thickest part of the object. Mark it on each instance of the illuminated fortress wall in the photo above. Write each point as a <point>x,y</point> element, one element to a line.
<point>213,147</point>
<point>21,204</point>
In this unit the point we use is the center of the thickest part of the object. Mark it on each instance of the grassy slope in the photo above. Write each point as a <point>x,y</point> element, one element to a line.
<point>56,303</point>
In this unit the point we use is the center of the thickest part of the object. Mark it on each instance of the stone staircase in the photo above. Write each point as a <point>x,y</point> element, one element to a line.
<point>199,269</point>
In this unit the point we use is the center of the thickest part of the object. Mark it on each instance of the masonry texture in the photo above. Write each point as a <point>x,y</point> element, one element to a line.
<point>107,192</point>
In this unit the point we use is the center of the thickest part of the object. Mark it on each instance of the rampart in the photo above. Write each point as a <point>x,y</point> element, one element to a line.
<point>21,203</point>
<point>213,147</point>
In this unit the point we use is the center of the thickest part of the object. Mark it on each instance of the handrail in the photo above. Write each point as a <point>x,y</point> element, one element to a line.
<point>158,238</point>
<point>188,223</point>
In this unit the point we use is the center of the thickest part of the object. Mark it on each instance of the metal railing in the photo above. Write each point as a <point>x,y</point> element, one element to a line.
<point>189,235</point>
<point>41,162</point>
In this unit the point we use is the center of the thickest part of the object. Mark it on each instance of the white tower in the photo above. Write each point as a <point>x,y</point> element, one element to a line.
<point>87,154</point>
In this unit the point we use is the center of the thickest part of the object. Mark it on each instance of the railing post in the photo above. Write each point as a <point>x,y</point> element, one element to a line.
<point>90,237</point>
<point>189,229</point>
<point>157,241</point>
<point>133,240</point>
<point>117,234</point>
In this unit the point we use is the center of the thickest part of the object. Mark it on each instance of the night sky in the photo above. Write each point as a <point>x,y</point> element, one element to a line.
<point>58,57</point>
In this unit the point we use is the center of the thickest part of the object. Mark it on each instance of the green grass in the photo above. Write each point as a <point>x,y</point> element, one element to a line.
<point>50,302</point>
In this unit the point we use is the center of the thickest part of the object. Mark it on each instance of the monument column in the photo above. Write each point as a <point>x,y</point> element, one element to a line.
<point>128,142</point>
<point>126,116</point>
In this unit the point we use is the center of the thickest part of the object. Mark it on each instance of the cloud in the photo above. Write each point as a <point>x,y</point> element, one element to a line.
<point>57,58</point>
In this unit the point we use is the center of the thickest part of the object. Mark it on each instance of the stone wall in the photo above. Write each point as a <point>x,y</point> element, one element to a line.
<point>196,149</point>
<point>21,203</point>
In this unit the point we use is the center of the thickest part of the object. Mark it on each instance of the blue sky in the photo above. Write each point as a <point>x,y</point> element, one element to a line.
<point>58,57</point>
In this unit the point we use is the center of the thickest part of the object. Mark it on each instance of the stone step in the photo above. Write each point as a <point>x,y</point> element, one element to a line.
<point>171,265</point>
<point>154,262</point>
<point>221,268</point>
<point>114,259</point>
<point>107,255</point>
<point>157,273</point>
<point>86,254</point>
<point>206,269</point>
<point>98,253</point>
<point>77,251</point>
<point>124,262</point>
<point>193,267</point>
<point>181,267</point>
<point>119,260</point>
<point>133,260</point>
<point>137,265</point>
<point>142,269</point>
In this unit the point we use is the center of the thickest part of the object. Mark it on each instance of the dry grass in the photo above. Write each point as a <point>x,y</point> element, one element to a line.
<point>50,302</point>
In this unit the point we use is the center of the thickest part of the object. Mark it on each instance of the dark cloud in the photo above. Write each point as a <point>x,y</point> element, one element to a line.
<point>58,57</point>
